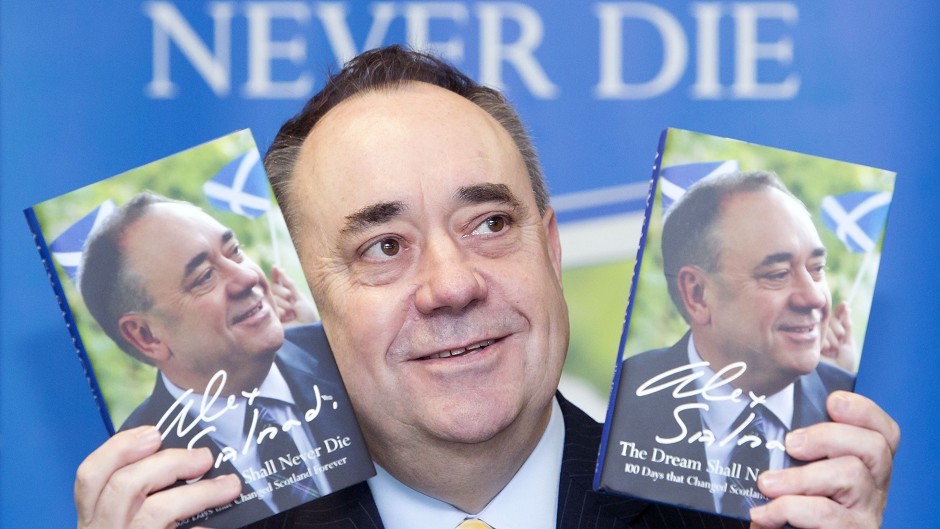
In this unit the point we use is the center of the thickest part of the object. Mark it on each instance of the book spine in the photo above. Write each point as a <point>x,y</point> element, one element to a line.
<point>46,257</point>
<point>654,179</point>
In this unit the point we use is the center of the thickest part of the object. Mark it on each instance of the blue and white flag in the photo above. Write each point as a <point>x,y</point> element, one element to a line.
<point>240,187</point>
<point>676,179</point>
<point>857,218</point>
<point>67,248</point>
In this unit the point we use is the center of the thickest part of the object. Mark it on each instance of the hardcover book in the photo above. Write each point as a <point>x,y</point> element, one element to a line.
<point>189,311</point>
<point>749,304</point>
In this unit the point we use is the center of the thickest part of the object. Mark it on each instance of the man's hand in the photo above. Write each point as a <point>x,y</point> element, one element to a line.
<point>846,484</point>
<point>838,345</point>
<point>292,305</point>
<point>124,483</point>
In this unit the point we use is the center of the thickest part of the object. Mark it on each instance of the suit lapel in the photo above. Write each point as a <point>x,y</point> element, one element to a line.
<point>809,399</point>
<point>578,505</point>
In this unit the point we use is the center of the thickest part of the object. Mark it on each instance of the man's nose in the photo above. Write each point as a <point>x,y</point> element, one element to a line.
<point>809,293</point>
<point>448,279</point>
<point>242,278</point>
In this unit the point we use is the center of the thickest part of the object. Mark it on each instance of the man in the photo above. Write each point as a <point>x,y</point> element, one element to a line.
<point>173,288</point>
<point>423,224</point>
<point>746,269</point>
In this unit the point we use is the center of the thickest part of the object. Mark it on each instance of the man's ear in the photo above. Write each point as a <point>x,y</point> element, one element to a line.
<point>136,329</point>
<point>692,283</point>
<point>550,223</point>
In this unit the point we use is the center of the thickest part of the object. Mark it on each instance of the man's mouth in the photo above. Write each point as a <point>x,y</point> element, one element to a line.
<point>799,328</point>
<point>249,313</point>
<point>459,352</point>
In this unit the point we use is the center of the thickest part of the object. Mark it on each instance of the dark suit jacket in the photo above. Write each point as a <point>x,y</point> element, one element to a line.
<point>641,419</point>
<point>579,507</point>
<point>305,360</point>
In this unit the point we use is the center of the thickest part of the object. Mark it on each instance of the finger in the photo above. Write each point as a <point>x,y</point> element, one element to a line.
<point>837,329</point>
<point>129,486</point>
<point>829,346</point>
<point>282,293</point>
<point>165,508</point>
<point>121,449</point>
<point>845,480</point>
<point>286,315</point>
<point>803,512</point>
<point>852,408</point>
<point>277,274</point>
<point>846,319</point>
<point>288,283</point>
<point>830,440</point>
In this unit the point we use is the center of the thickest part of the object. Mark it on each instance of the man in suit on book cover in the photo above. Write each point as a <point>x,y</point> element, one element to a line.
<point>422,220</point>
<point>174,289</point>
<point>746,268</point>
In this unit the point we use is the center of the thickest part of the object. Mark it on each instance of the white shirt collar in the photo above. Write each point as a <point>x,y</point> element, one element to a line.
<point>529,500</point>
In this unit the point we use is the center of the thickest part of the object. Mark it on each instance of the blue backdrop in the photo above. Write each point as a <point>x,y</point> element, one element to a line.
<point>93,88</point>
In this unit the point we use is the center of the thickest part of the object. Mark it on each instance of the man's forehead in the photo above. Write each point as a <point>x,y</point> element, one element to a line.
<point>399,146</point>
<point>168,229</point>
<point>765,223</point>
<point>167,216</point>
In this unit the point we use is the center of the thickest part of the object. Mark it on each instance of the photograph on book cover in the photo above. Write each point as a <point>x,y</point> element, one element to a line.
<point>189,309</point>
<point>750,300</point>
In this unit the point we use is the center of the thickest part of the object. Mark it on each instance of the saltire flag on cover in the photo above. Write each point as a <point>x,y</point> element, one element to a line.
<point>67,248</point>
<point>676,179</point>
<point>857,218</point>
<point>240,187</point>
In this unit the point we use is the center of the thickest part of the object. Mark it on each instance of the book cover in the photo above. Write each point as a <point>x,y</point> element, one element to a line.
<point>189,310</point>
<point>749,304</point>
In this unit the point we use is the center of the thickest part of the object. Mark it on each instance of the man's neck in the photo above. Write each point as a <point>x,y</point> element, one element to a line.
<point>467,476</point>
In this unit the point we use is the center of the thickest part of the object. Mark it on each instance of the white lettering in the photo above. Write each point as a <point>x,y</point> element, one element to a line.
<point>169,24</point>
<point>418,27</point>
<point>262,50</point>
<point>339,35</point>
<point>493,51</point>
<point>278,61</point>
<point>707,84</point>
<point>675,51</point>
<point>749,51</point>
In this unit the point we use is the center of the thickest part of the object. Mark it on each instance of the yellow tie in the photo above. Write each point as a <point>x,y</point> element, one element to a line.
<point>473,523</point>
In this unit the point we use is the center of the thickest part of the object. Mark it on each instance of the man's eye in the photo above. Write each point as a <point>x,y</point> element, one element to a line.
<point>203,279</point>
<point>494,224</point>
<point>389,247</point>
<point>818,271</point>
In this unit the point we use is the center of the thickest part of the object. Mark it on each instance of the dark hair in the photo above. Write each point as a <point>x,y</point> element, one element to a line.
<point>689,234</point>
<point>387,68</point>
<point>109,287</point>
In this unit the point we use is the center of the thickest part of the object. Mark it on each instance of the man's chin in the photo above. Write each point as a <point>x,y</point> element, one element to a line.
<point>460,431</point>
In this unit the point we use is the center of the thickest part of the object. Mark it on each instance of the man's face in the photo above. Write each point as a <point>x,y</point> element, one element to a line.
<point>212,306</point>
<point>438,280</point>
<point>770,302</point>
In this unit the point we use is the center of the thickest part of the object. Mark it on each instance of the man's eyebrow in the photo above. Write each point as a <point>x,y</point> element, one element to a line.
<point>194,263</point>
<point>201,257</point>
<point>480,193</point>
<point>783,257</point>
<point>372,215</point>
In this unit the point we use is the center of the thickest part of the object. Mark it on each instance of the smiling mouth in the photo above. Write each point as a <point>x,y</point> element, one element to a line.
<point>245,315</point>
<point>798,328</point>
<point>460,352</point>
